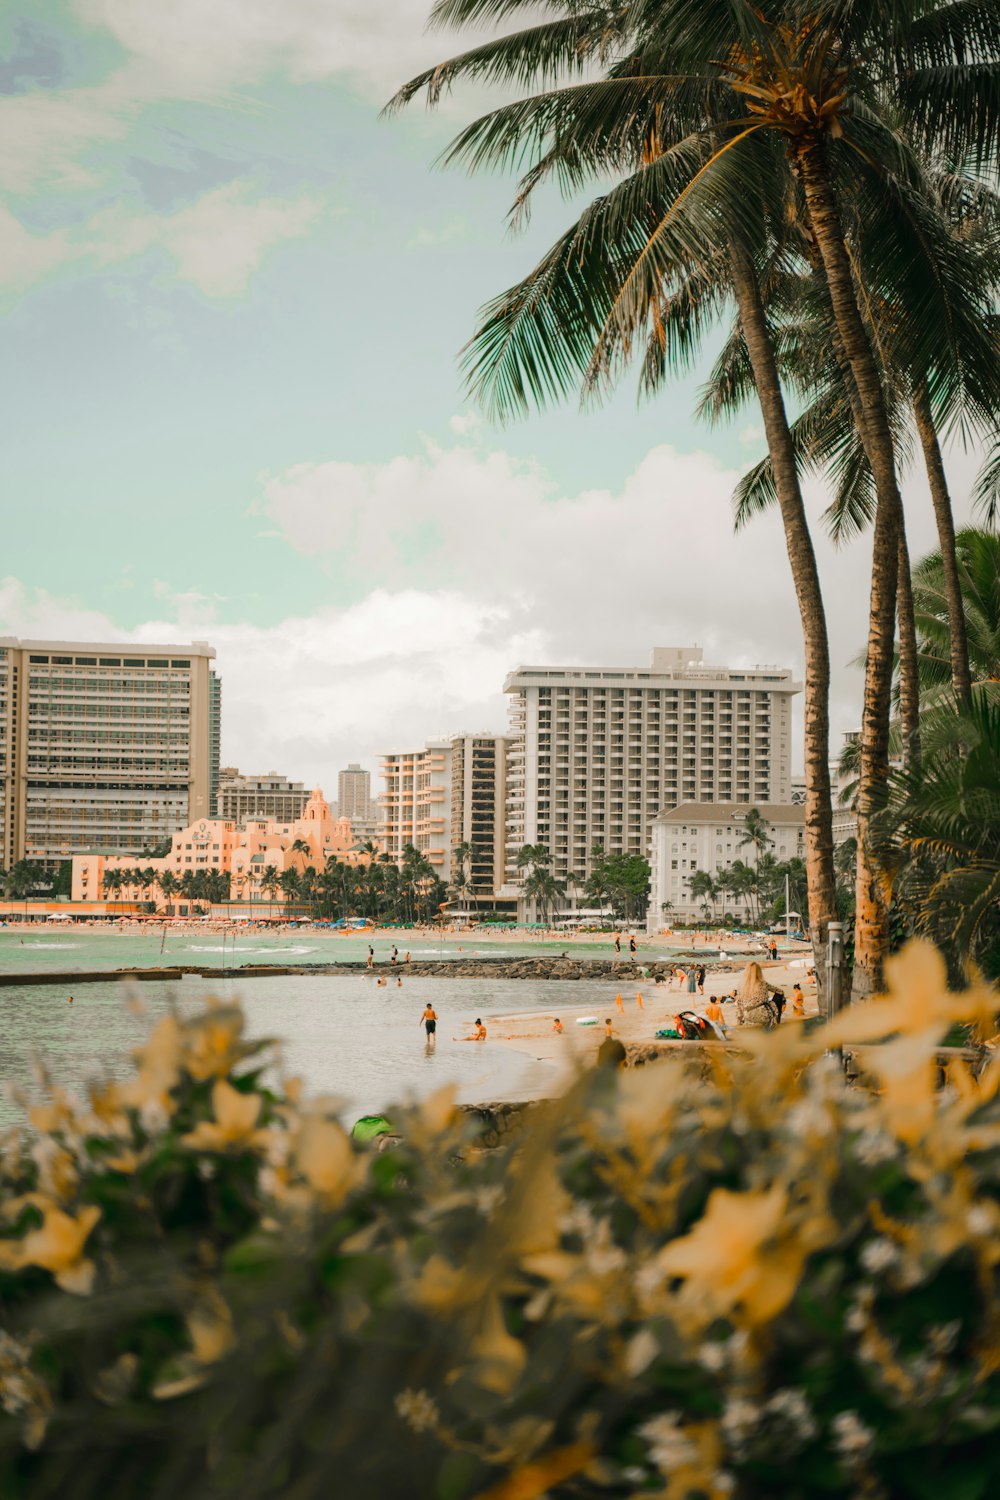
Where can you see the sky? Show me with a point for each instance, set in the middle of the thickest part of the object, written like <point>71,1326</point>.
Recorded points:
<point>232,300</point>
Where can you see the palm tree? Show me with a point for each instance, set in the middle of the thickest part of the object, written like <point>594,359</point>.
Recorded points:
<point>544,889</point>
<point>290,885</point>
<point>740,73</point>
<point>269,882</point>
<point>755,833</point>
<point>167,882</point>
<point>702,884</point>
<point>977,561</point>
<point>940,834</point>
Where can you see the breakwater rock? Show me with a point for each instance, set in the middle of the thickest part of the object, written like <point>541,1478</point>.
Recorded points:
<point>542,966</point>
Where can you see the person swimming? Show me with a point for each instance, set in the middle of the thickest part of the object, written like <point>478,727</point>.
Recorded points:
<point>381,980</point>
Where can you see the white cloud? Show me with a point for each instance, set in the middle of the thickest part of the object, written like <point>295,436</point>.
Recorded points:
<point>603,575</point>
<point>215,242</point>
<point>229,42</point>
<point>312,692</point>
<point>478,564</point>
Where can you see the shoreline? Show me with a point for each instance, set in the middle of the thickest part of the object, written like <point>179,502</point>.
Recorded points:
<point>654,973</point>
<point>530,1032</point>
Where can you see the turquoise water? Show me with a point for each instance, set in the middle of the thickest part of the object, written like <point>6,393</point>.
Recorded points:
<point>95,948</point>
<point>342,1034</point>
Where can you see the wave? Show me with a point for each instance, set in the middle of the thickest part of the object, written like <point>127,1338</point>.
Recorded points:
<point>50,945</point>
<point>241,950</point>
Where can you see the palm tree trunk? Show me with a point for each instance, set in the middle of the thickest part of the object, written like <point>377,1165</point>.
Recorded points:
<point>805,576</point>
<point>909,672</point>
<point>871,923</point>
<point>961,677</point>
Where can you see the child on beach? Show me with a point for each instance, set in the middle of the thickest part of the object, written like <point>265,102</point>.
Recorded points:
<point>713,1011</point>
<point>608,1028</point>
<point>558,1027</point>
<point>798,1001</point>
<point>479,1035</point>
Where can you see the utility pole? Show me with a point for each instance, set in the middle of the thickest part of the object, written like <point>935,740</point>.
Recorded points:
<point>834,968</point>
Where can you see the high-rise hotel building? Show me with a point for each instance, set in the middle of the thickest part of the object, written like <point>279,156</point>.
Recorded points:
<point>598,752</point>
<point>104,746</point>
<point>416,804</point>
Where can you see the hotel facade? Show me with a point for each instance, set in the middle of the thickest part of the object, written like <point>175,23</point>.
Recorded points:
<point>244,853</point>
<point>598,753</point>
<point>104,745</point>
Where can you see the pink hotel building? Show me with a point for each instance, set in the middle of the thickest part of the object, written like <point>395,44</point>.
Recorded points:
<point>243,853</point>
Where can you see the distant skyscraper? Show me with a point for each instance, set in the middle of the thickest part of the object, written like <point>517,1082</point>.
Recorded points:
<point>354,793</point>
<point>103,745</point>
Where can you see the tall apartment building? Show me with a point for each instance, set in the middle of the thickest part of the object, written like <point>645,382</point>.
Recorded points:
<point>267,796</point>
<point>599,752</point>
<point>214,741</point>
<point>478,809</point>
<point>354,802</point>
<point>416,804</point>
<point>103,745</point>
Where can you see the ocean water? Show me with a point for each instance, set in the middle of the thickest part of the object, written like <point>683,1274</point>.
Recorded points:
<point>343,1035</point>
<point>101,948</point>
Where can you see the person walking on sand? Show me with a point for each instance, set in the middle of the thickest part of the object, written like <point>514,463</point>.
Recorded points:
<point>631,945</point>
<point>700,977</point>
<point>618,945</point>
<point>429,1021</point>
<point>692,980</point>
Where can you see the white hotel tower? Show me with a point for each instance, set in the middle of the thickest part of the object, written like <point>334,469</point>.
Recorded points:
<point>597,752</point>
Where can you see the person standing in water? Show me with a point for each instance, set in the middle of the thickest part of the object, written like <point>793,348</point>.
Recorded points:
<point>430,1023</point>
<point>371,956</point>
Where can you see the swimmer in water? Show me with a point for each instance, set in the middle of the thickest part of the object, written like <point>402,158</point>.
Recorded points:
<point>381,981</point>
<point>70,1000</point>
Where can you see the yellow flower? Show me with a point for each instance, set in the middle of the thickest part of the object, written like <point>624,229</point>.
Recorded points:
<point>212,1042</point>
<point>326,1159</point>
<point>57,1174</point>
<point>734,1260</point>
<point>159,1071</point>
<point>234,1126</point>
<point>57,1247</point>
<point>210,1329</point>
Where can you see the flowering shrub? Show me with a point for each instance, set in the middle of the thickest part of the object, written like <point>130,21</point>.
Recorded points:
<point>761,1283</point>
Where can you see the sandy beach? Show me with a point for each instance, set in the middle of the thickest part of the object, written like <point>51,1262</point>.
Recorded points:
<point>560,1056</point>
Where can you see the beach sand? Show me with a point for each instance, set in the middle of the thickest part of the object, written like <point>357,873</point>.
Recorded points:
<point>563,1055</point>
